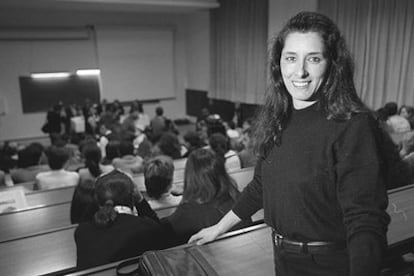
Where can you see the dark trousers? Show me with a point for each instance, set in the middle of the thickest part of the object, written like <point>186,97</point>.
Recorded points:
<point>288,263</point>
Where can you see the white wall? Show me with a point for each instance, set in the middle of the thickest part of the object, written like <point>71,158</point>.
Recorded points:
<point>198,51</point>
<point>190,49</point>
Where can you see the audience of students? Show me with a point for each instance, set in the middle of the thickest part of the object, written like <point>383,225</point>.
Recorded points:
<point>123,227</point>
<point>115,222</point>
<point>209,193</point>
<point>158,173</point>
<point>57,177</point>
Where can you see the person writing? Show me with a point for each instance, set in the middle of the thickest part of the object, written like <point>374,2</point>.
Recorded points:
<point>319,176</point>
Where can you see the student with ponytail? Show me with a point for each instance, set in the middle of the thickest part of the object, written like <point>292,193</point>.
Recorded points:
<point>124,225</point>
<point>83,205</point>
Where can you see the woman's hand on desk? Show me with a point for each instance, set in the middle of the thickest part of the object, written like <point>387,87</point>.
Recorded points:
<point>205,235</point>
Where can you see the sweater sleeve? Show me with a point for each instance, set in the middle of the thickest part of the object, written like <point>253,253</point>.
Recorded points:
<point>251,199</point>
<point>144,209</point>
<point>362,194</point>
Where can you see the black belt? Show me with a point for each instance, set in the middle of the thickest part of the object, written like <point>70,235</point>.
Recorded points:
<point>306,247</point>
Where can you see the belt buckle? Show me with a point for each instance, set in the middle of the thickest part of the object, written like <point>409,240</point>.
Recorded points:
<point>278,240</point>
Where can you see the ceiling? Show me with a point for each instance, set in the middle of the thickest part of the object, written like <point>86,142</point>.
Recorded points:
<point>150,6</point>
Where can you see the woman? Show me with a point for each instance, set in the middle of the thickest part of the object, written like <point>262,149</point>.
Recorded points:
<point>319,178</point>
<point>158,174</point>
<point>58,176</point>
<point>209,193</point>
<point>408,113</point>
<point>28,164</point>
<point>123,227</point>
<point>84,205</point>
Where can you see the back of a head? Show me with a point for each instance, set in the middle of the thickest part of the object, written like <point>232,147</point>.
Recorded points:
<point>206,178</point>
<point>92,154</point>
<point>30,155</point>
<point>57,157</point>
<point>159,111</point>
<point>219,143</point>
<point>112,189</point>
<point>170,145</point>
<point>126,148</point>
<point>215,125</point>
<point>158,173</point>
<point>391,108</point>
<point>112,149</point>
<point>194,139</point>
<point>140,108</point>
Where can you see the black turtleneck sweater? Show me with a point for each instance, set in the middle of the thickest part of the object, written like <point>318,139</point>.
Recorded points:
<point>324,183</point>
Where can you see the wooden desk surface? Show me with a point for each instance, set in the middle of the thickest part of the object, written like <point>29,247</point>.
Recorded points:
<point>52,196</point>
<point>32,221</point>
<point>401,210</point>
<point>39,254</point>
<point>249,253</point>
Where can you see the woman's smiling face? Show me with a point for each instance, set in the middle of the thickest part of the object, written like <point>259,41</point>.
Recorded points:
<point>303,66</point>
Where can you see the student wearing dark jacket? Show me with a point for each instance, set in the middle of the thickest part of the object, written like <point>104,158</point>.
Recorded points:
<point>209,193</point>
<point>123,227</point>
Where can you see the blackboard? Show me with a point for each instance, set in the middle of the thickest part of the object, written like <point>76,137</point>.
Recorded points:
<point>38,95</point>
<point>195,101</point>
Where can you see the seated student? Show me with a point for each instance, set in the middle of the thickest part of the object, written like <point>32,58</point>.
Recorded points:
<point>92,159</point>
<point>28,164</point>
<point>246,155</point>
<point>169,145</point>
<point>141,143</point>
<point>105,136</point>
<point>58,176</point>
<point>209,193</point>
<point>395,123</point>
<point>123,227</point>
<point>220,144</point>
<point>157,124</point>
<point>111,152</point>
<point>128,162</point>
<point>408,113</point>
<point>158,173</point>
<point>192,141</point>
<point>83,205</point>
